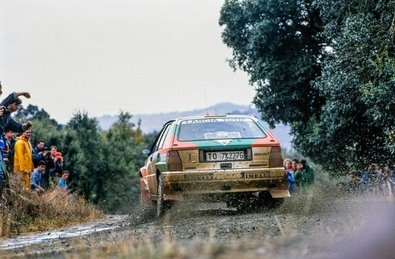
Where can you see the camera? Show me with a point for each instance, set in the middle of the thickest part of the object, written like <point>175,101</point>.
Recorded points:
<point>5,109</point>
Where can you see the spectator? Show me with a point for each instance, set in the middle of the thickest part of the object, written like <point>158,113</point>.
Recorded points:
<point>290,175</point>
<point>8,151</point>
<point>58,169</point>
<point>304,175</point>
<point>36,178</point>
<point>23,160</point>
<point>3,172</point>
<point>11,104</point>
<point>294,163</point>
<point>63,182</point>
<point>54,161</point>
<point>39,152</point>
<point>7,106</point>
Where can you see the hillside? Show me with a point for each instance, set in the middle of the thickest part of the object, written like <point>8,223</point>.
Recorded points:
<point>154,122</point>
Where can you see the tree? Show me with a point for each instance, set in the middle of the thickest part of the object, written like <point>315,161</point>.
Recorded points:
<point>122,154</point>
<point>326,68</point>
<point>33,112</point>
<point>84,156</point>
<point>278,44</point>
<point>44,128</point>
<point>358,82</point>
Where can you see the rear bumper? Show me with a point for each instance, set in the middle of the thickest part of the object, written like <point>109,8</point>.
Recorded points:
<point>179,184</point>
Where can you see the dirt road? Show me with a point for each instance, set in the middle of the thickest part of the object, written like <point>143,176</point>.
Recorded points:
<point>309,226</point>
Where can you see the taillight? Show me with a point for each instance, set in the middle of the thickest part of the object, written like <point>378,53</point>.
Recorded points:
<point>173,161</point>
<point>275,159</point>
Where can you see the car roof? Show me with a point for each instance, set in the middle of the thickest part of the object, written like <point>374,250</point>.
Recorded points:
<point>199,117</point>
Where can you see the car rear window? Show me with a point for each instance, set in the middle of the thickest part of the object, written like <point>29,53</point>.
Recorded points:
<point>219,128</point>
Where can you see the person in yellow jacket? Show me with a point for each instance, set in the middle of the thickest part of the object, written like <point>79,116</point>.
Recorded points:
<point>23,158</point>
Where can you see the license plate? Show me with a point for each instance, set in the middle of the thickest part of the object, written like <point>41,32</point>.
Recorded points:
<point>224,156</point>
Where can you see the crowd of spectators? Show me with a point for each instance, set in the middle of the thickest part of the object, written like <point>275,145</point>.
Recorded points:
<point>38,168</point>
<point>375,179</point>
<point>299,174</point>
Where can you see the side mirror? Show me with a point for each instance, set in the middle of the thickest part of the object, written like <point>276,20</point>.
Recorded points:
<point>146,151</point>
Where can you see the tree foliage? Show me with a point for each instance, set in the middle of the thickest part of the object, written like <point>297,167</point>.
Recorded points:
<point>88,160</point>
<point>358,81</point>
<point>33,112</point>
<point>104,165</point>
<point>278,44</point>
<point>122,149</point>
<point>45,128</point>
<point>326,68</point>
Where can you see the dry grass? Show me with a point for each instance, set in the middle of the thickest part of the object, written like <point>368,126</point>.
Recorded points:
<point>27,211</point>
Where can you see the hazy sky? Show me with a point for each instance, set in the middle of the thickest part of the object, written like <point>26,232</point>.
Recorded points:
<point>104,56</point>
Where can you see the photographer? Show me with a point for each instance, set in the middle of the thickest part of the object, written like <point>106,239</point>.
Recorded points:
<point>9,105</point>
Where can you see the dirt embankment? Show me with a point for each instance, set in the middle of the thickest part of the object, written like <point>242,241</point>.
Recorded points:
<point>315,225</point>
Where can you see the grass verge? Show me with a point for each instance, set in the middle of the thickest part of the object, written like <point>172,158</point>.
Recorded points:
<point>23,211</point>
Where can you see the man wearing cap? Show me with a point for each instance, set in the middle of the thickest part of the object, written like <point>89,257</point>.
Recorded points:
<point>58,160</point>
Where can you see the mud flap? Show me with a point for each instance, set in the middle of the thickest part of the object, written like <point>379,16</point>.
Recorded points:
<point>276,194</point>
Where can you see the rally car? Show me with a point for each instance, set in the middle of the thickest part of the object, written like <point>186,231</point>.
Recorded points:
<point>232,158</point>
